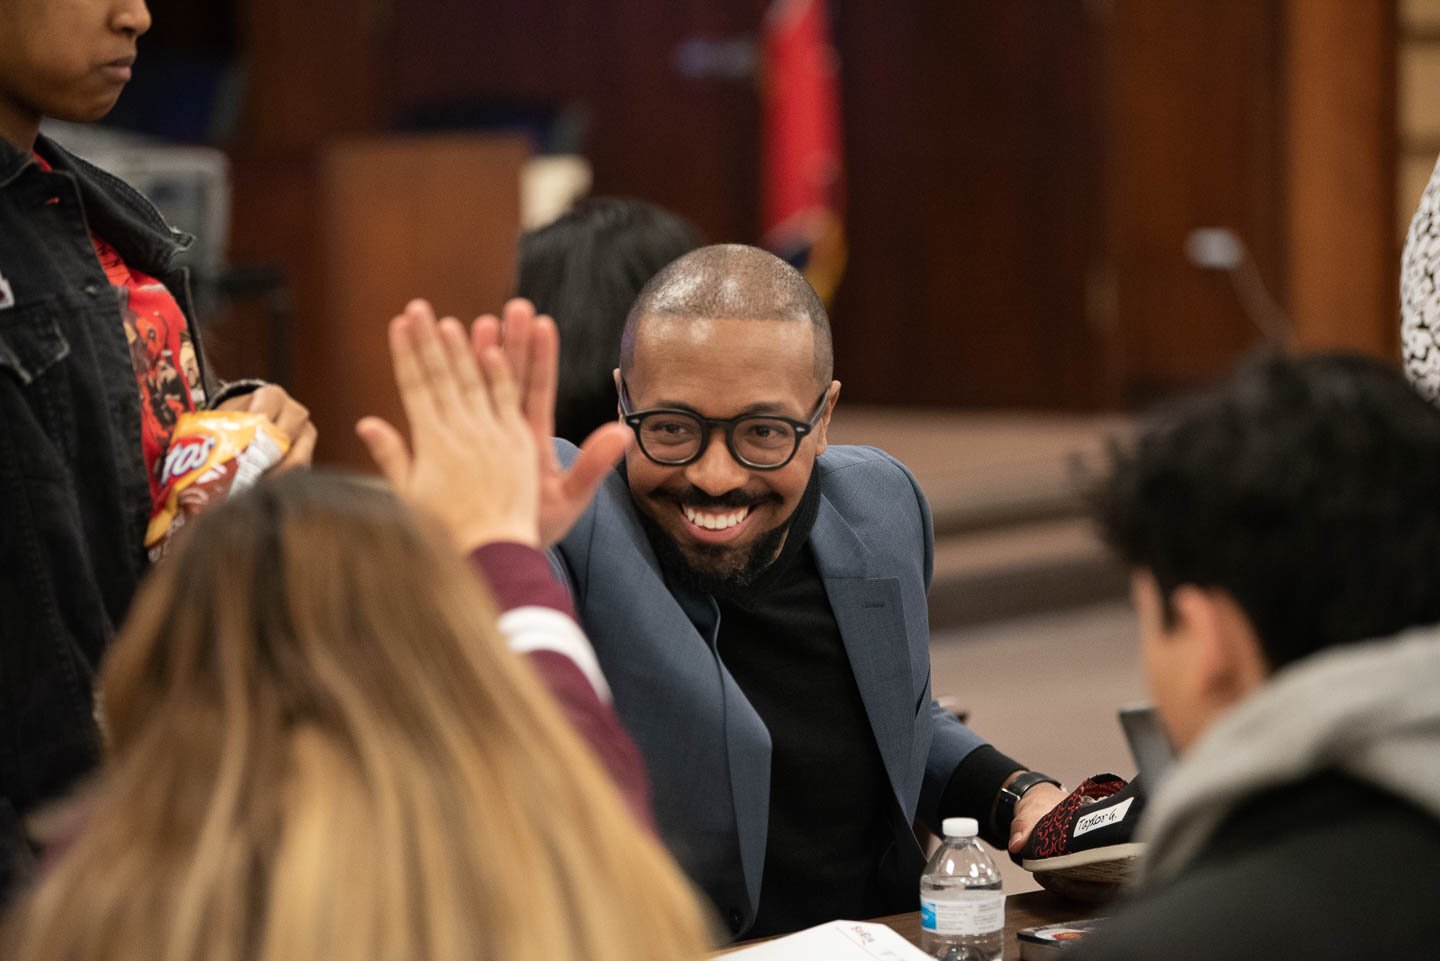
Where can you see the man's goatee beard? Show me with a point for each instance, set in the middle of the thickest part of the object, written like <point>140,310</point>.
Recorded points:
<point>680,572</point>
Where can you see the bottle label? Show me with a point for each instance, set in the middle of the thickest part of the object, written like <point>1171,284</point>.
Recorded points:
<point>978,913</point>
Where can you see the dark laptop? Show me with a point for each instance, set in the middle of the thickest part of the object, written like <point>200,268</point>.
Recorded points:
<point>1149,744</point>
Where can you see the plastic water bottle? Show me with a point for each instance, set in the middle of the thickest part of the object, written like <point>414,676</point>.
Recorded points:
<point>962,911</point>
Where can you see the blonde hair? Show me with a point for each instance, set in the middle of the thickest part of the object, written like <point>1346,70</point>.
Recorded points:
<point>321,749</point>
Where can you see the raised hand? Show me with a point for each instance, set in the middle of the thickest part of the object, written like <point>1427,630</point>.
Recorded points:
<point>532,346</point>
<point>471,459</point>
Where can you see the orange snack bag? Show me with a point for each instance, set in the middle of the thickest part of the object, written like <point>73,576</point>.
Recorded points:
<point>212,455</point>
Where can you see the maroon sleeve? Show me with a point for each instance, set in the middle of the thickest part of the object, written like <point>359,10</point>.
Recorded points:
<point>596,723</point>
<point>519,577</point>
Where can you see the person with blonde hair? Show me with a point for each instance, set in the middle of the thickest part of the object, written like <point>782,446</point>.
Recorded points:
<point>320,746</point>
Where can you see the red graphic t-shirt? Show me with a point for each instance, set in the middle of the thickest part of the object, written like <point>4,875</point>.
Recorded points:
<point>162,353</point>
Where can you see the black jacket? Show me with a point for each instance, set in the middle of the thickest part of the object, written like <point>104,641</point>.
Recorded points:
<point>1329,869</point>
<point>74,498</point>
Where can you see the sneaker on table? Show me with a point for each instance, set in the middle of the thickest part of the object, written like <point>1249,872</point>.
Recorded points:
<point>1089,836</point>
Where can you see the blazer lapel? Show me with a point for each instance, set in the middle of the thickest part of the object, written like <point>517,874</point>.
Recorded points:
<point>872,625</point>
<point>748,747</point>
<point>747,741</point>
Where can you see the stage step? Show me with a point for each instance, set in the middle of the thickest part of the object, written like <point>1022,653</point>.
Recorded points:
<point>1020,570</point>
<point>1012,534</point>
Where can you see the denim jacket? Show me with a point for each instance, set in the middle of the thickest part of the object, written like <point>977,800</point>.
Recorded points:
<point>74,498</point>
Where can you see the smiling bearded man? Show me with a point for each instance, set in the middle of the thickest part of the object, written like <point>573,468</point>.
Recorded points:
<point>757,601</point>
<point>756,348</point>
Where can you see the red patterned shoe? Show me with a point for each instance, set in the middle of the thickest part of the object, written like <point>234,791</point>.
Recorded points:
<point>1089,835</point>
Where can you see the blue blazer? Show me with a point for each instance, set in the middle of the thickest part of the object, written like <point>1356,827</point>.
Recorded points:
<point>707,751</point>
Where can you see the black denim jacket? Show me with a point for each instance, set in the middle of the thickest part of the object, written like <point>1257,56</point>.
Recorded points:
<point>74,498</point>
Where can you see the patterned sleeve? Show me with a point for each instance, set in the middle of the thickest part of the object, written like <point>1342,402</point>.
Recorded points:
<point>1419,298</point>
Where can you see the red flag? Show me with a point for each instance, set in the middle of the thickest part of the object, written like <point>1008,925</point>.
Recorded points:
<point>803,165</point>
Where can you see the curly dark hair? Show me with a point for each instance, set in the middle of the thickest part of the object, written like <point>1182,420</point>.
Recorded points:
<point>1308,489</point>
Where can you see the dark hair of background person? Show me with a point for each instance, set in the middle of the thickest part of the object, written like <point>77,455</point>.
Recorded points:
<point>1307,489</point>
<point>584,270</point>
<point>320,747</point>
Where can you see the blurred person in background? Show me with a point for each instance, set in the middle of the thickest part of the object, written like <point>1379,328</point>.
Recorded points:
<point>1284,535</point>
<point>99,355</point>
<point>1420,293</point>
<point>584,270</point>
<point>320,746</point>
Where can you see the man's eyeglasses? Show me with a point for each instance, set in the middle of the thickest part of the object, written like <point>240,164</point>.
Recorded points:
<point>675,437</point>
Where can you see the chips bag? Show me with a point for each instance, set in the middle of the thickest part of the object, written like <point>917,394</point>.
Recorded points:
<point>212,455</point>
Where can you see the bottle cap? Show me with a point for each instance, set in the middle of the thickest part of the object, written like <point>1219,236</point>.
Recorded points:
<point>960,827</point>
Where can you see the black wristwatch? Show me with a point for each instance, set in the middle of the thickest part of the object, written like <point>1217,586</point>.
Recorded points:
<point>1010,796</point>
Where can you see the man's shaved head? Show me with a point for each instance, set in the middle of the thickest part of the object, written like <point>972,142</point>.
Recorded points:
<point>731,282</point>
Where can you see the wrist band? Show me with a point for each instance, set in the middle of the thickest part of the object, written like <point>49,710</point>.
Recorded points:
<point>1010,796</point>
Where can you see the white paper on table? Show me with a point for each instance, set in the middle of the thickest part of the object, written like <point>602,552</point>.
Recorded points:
<point>836,941</point>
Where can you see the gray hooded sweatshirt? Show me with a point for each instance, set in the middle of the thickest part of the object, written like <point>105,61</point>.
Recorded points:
<point>1369,710</point>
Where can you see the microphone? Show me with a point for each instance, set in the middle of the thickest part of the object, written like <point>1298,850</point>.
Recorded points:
<point>1219,248</point>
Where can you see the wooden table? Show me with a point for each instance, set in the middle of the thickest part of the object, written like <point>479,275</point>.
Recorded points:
<point>1021,911</point>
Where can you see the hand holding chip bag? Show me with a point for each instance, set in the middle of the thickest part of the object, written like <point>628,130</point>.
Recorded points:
<point>212,455</point>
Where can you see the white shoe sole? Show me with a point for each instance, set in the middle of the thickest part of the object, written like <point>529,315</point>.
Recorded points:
<point>1108,865</point>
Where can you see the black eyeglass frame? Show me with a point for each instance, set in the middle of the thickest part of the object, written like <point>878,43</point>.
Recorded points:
<point>709,425</point>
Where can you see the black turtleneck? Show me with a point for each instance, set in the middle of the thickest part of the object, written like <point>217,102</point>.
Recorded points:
<point>828,788</point>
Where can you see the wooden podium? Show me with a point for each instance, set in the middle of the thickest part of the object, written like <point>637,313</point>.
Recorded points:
<point>434,217</point>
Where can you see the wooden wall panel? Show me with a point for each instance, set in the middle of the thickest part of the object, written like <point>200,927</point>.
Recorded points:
<point>970,145</point>
<point>688,143</point>
<point>314,69</point>
<point>1340,168</point>
<point>973,163</point>
<point>1021,176</point>
<point>1194,141</point>
<point>400,218</point>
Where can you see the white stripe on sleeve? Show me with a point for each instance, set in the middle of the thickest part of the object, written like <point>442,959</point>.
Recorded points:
<point>529,629</point>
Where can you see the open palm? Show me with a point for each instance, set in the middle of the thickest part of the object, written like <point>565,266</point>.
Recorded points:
<point>532,345</point>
